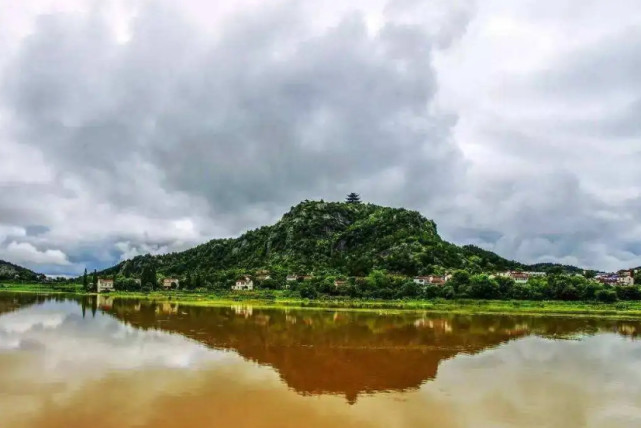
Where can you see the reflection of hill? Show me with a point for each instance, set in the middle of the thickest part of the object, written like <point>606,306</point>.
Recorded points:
<point>347,353</point>
<point>10,302</point>
<point>317,352</point>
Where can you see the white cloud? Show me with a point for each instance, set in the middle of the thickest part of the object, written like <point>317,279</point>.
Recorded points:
<point>25,253</point>
<point>535,86</point>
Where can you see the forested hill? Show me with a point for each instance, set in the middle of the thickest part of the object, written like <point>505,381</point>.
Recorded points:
<point>9,271</point>
<point>342,238</point>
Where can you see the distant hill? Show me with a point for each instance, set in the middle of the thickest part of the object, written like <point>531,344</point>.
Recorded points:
<point>345,238</point>
<point>551,267</point>
<point>9,271</point>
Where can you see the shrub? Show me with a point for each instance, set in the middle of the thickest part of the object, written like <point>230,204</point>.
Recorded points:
<point>432,291</point>
<point>447,292</point>
<point>410,289</point>
<point>482,287</point>
<point>307,291</point>
<point>606,296</point>
<point>629,292</point>
<point>522,292</point>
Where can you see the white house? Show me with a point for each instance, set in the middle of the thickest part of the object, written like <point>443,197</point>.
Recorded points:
<point>244,283</point>
<point>431,279</point>
<point>520,277</point>
<point>625,278</point>
<point>262,275</point>
<point>291,278</point>
<point>536,273</point>
<point>105,284</point>
<point>170,282</point>
<point>421,280</point>
<point>517,276</point>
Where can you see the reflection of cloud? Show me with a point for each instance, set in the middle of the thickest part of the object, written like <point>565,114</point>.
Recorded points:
<point>531,382</point>
<point>69,344</point>
<point>99,372</point>
<point>592,382</point>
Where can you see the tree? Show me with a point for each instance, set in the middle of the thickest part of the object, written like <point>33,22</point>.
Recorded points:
<point>606,296</point>
<point>148,277</point>
<point>187,282</point>
<point>629,292</point>
<point>409,289</point>
<point>85,281</point>
<point>308,291</point>
<point>197,282</point>
<point>460,281</point>
<point>270,284</point>
<point>94,281</point>
<point>353,198</point>
<point>483,287</point>
<point>506,285</point>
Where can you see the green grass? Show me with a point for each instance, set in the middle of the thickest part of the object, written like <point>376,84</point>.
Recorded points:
<point>264,298</point>
<point>41,287</point>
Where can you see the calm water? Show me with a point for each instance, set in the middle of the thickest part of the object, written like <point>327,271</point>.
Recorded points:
<point>120,363</point>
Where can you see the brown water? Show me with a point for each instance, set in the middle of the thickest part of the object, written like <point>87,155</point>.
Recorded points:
<point>121,363</point>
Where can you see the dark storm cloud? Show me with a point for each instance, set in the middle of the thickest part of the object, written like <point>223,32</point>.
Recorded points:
<point>268,112</point>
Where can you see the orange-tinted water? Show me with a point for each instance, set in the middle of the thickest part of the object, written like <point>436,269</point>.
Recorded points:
<point>119,363</point>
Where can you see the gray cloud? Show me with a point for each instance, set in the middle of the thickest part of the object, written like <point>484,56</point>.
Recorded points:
<point>189,128</point>
<point>233,129</point>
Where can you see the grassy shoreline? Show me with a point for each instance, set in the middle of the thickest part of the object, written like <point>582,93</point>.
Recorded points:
<point>279,299</point>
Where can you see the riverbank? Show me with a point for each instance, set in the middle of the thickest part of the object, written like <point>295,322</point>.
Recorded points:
<point>284,299</point>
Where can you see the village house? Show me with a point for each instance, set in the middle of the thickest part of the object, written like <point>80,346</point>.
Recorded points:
<point>340,283</point>
<point>170,282</point>
<point>519,277</point>
<point>290,278</point>
<point>437,280</point>
<point>105,284</point>
<point>422,280</point>
<point>535,273</point>
<point>431,279</point>
<point>608,279</point>
<point>244,283</point>
<point>262,275</point>
<point>625,280</point>
<point>625,277</point>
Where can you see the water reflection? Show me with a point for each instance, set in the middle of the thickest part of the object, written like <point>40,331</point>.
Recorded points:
<point>157,363</point>
<point>348,353</point>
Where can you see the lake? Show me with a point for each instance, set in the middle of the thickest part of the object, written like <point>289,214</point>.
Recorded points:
<point>108,362</point>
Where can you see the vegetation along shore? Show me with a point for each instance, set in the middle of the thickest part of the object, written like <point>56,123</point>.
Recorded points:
<point>286,299</point>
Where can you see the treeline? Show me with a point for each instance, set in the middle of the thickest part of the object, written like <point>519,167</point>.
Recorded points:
<point>462,285</point>
<point>380,284</point>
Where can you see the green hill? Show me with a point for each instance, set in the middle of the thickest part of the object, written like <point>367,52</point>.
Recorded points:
<point>11,272</point>
<point>341,238</point>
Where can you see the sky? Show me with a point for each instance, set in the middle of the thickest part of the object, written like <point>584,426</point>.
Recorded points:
<point>147,126</point>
